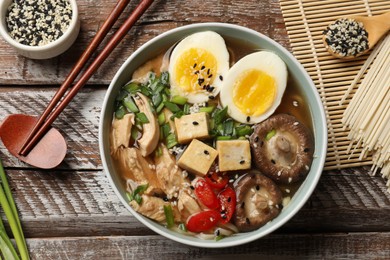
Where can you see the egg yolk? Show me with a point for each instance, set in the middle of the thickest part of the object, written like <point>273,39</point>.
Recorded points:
<point>195,69</point>
<point>254,92</point>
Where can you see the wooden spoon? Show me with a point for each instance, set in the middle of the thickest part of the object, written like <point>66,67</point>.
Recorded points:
<point>376,26</point>
<point>49,151</point>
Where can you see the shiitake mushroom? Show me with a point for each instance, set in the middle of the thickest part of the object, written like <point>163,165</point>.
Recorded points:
<point>259,200</point>
<point>282,148</point>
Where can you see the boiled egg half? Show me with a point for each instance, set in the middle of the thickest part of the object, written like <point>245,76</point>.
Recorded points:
<point>198,65</point>
<point>254,87</point>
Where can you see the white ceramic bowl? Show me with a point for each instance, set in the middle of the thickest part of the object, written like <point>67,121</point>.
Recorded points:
<point>49,50</point>
<point>296,72</point>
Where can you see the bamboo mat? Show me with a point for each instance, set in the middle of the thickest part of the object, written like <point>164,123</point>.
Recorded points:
<point>305,20</point>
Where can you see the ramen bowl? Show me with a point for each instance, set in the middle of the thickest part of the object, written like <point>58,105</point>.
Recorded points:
<point>296,74</point>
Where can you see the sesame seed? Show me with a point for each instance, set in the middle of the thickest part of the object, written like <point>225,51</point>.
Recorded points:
<point>203,67</point>
<point>242,161</point>
<point>194,65</point>
<point>248,118</point>
<point>38,22</point>
<point>211,97</point>
<point>220,77</point>
<point>206,152</point>
<point>296,123</point>
<point>195,123</point>
<point>295,103</point>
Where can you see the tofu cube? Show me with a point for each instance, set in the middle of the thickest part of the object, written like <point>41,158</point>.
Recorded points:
<point>197,158</point>
<point>193,126</point>
<point>234,155</point>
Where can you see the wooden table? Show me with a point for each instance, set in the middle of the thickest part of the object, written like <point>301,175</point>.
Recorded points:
<point>71,212</point>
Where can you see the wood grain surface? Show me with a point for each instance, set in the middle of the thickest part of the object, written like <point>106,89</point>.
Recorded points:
<point>71,212</point>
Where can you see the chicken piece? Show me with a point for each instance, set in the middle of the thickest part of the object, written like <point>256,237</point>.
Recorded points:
<point>132,165</point>
<point>169,175</point>
<point>187,204</point>
<point>153,208</point>
<point>121,131</point>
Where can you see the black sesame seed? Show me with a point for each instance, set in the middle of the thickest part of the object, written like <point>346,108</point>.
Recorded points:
<point>165,199</point>
<point>200,81</point>
<point>195,123</point>
<point>203,67</point>
<point>242,205</point>
<point>192,187</point>
<point>211,97</point>
<point>256,139</point>
<point>229,199</point>
<point>206,152</point>
<point>195,65</point>
<point>218,232</point>
<point>257,187</point>
<point>248,118</point>
<point>248,221</point>
<point>273,161</point>
<point>242,161</point>
<point>306,150</point>
<point>210,75</point>
<point>261,144</point>
<point>220,77</point>
<point>208,71</point>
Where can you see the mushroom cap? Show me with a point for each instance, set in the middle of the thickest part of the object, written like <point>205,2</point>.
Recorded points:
<point>259,200</point>
<point>282,148</point>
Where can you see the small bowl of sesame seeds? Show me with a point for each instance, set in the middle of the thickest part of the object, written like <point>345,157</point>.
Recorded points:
<point>39,29</point>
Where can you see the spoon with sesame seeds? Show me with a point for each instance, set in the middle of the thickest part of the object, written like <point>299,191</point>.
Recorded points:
<point>353,36</point>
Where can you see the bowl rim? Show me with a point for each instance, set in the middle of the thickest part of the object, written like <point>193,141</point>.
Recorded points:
<point>58,42</point>
<point>320,151</point>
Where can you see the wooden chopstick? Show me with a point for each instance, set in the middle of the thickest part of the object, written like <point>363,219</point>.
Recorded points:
<point>52,112</point>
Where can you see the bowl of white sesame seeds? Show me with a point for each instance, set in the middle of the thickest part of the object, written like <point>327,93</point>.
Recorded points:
<point>39,29</point>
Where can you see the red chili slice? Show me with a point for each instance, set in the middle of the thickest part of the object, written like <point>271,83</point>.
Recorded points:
<point>227,199</point>
<point>217,181</point>
<point>206,195</point>
<point>203,221</point>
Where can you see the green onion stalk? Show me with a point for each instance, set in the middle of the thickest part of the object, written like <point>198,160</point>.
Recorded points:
<point>8,204</point>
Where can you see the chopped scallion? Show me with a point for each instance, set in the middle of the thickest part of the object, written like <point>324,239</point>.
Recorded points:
<point>142,117</point>
<point>129,103</point>
<point>169,216</point>
<point>179,100</point>
<point>220,115</point>
<point>270,134</point>
<point>225,137</point>
<point>161,118</point>
<point>171,140</point>
<point>131,87</point>
<point>208,109</point>
<point>172,106</point>
<point>120,112</point>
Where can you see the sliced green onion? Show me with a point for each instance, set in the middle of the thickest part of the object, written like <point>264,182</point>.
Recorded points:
<point>171,140</point>
<point>172,106</point>
<point>244,130</point>
<point>183,227</point>
<point>138,198</point>
<point>228,127</point>
<point>142,117</point>
<point>186,109</point>
<point>141,189</point>
<point>134,133</point>
<point>131,87</point>
<point>179,100</point>
<point>224,137</point>
<point>169,216</point>
<point>270,134</point>
<point>160,87</point>
<point>165,130</point>
<point>145,91</point>
<point>220,115</point>
<point>208,109</point>
<point>161,118</point>
<point>120,112</point>
<point>156,99</point>
<point>129,103</point>
<point>160,107</point>
<point>129,196</point>
<point>164,78</point>
<point>219,237</point>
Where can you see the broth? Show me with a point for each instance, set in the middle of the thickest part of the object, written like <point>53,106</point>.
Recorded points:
<point>292,102</point>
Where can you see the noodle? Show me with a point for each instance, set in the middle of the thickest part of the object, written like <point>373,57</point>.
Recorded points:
<point>368,113</point>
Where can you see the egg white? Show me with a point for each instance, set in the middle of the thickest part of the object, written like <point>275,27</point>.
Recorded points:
<point>214,44</point>
<point>266,62</point>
